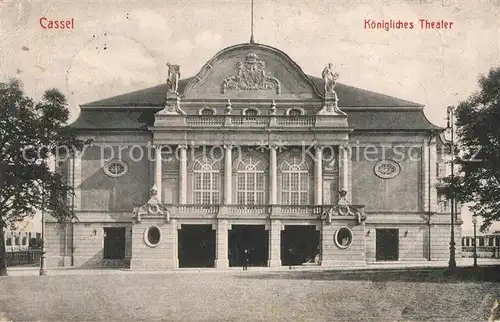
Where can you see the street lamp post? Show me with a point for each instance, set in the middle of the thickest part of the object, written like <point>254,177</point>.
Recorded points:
<point>43,266</point>
<point>474,221</point>
<point>452,262</point>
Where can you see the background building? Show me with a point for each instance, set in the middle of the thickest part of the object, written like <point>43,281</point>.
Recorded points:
<point>26,233</point>
<point>253,154</point>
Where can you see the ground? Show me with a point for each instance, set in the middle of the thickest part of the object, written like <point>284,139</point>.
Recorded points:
<point>412,294</point>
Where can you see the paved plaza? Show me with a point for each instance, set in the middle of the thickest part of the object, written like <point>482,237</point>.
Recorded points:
<point>193,295</point>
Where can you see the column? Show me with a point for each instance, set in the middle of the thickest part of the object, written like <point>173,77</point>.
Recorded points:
<point>228,174</point>
<point>175,241</point>
<point>344,171</point>
<point>274,243</point>
<point>183,175</point>
<point>273,184</point>
<point>433,174</point>
<point>425,176</point>
<point>318,176</point>
<point>77,180</point>
<point>158,172</point>
<point>221,250</point>
<point>71,202</point>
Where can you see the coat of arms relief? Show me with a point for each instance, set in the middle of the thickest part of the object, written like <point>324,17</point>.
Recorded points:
<point>251,75</point>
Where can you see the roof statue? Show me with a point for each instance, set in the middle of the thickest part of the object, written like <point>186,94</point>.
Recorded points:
<point>330,78</point>
<point>174,74</point>
<point>331,99</point>
<point>172,101</point>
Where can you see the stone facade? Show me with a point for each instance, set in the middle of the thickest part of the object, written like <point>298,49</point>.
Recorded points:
<point>253,154</point>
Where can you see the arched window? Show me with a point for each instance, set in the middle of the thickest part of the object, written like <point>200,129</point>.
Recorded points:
<point>206,185</point>
<point>251,181</point>
<point>294,181</point>
<point>295,111</point>
<point>251,114</point>
<point>206,111</point>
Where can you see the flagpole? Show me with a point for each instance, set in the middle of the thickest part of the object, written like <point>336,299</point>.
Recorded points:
<point>251,26</point>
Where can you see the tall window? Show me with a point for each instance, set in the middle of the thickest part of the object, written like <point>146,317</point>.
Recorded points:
<point>294,181</point>
<point>251,179</point>
<point>206,175</point>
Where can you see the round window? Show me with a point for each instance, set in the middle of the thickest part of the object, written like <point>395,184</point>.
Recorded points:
<point>343,237</point>
<point>387,169</point>
<point>152,236</point>
<point>116,168</point>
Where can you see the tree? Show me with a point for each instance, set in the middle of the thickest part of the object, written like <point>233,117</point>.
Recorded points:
<point>31,134</point>
<point>478,151</point>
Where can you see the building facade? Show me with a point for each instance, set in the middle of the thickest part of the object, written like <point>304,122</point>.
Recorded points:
<point>252,159</point>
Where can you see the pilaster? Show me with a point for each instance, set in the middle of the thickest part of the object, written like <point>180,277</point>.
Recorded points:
<point>318,176</point>
<point>275,229</point>
<point>77,180</point>
<point>183,175</point>
<point>425,176</point>
<point>221,255</point>
<point>273,184</point>
<point>158,172</point>
<point>433,174</point>
<point>228,174</point>
<point>345,171</point>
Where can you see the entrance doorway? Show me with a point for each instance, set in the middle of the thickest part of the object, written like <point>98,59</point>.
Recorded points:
<point>387,244</point>
<point>299,245</point>
<point>114,242</point>
<point>253,238</point>
<point>196,246</point>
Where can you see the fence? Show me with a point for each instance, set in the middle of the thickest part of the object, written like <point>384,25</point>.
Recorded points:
<point>482,251</point>
<point>25,257</point>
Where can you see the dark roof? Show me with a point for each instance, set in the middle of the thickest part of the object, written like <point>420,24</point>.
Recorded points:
<point>349,96</point>
<point>389,120</point>
<point>152,96</point>
<point>116,119</point>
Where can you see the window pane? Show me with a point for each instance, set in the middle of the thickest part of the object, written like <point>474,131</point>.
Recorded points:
<point>241,181</point>
<point>304,198</point>
<point>284,198</point>
<point>285,182</point>
<point>216,181</point>
<point>241,197</point>
<point>260,198</point>
<point>304,182</point>
<point>294,184</point>
<point>260,181</point>
<point>197,181</point>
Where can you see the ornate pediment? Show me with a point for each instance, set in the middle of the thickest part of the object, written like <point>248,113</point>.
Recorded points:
<point>344,209</point>
<point>251,75</point>
<point>152,208</point>
<point>251,71</point>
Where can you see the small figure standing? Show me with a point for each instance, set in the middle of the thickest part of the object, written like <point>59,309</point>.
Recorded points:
<point>174,75</point>
<point>246,259</point>
<point>330,78</point>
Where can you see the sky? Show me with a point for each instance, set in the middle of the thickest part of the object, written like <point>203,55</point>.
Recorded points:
<point>118,47</point>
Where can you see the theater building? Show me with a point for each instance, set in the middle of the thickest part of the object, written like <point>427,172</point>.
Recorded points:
<point>253,158</point>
